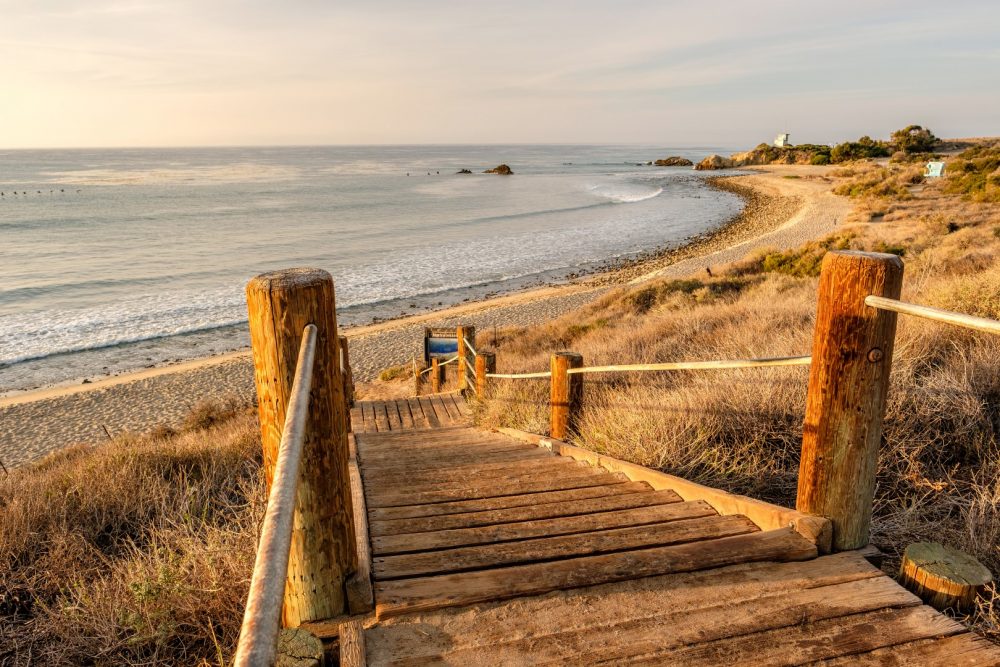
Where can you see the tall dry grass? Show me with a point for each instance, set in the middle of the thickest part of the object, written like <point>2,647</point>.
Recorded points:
<point>939,465</point>
<point>136,552</point>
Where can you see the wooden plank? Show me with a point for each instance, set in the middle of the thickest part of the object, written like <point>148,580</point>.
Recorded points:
<point>404,413</point>
<point>483,556</point>
<point>395,419</point>
<point>417,447</point>
<point>565,525</point>
<point>598,609</point>
<point>488,490</point>
<point>442,457</point>
<point>381,416</point>
<point>419,420</point>
<point>443,413</point>
<point>357,419</point>
<point>550,464</point>
<point>519,514</point>
<point>646,631</point>
<point>377,487</point>
<point>797,644</point>
<point>503,502</point>
<point>450,590</point>
<point>352,644</point>
<point>964,649</point>
<point>360,595</point>
<point>368,413</point>
<point>404,463</point>
<point>462,404</point>
<point>429,412</point>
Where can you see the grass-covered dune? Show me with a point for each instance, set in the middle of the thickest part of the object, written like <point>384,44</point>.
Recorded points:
<point>134,552</point>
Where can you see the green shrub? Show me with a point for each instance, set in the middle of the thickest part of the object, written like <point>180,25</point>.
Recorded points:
<point>395,372</point>
<point>914,139</point>
<point>820,159</point>
<point>975,173</point>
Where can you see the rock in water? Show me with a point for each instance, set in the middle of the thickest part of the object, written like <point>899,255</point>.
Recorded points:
<point>464,171</point>
<point>501,169</point>
<point>715,162</point>
<point>674,161</point>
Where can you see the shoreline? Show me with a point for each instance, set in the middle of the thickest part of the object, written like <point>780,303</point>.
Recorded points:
<point>39,421</point>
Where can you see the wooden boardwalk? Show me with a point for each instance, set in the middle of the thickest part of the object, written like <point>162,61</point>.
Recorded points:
<point>486,550</point>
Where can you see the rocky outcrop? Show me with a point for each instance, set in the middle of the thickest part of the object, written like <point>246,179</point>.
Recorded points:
<point>715,162</point>
<point>674,161</point>
<point>501,169</point>
<point>464,171</point>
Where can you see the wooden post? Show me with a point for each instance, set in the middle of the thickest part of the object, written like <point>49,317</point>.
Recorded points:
<point>565,394</point>
<point>943,577</point>
<point>345,365</point>
<point>848,381</point>
<point>463,332</point>
<point>486,362</point>
<point>323,555</point>
<point>435,375</point>
<point>416,378</point>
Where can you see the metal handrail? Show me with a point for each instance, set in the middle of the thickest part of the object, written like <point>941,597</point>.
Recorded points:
<point>936,314</point>
<point>261,620</point>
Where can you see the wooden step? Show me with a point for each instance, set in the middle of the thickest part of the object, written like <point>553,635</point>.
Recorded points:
<point>401,514</point>
<point>485,556</point>
<point>509,532</point>
<point>424,593</point>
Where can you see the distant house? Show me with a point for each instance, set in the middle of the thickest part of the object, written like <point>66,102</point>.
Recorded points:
<point>934,170</point>
<point>782,141</point>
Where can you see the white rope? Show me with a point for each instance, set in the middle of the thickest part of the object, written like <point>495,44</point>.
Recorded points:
<point>695,365</point>
<point>445,363</point>
<point>936,314</point>
<point>518,376</point>
<point>469,345</point>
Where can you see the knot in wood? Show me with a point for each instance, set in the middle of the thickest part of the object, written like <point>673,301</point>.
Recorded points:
<point>875,355</point>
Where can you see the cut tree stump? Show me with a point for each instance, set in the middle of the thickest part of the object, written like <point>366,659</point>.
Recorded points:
<point>941,576</point>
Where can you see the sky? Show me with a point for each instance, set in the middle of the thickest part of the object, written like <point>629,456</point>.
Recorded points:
<point>108,73</point>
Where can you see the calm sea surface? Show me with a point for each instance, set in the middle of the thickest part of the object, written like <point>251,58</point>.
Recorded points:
<point>112,260</point>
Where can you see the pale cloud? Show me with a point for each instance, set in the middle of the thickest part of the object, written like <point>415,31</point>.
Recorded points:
<point>227,72</point>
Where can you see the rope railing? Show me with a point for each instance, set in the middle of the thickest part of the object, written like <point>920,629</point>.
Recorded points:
<point>443,363</point>
<point>469,346</point>
<point>935,314</point>
<point>670,366</point>
<point>259,632</point>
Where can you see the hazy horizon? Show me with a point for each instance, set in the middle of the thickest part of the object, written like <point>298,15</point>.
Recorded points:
<point>134,73</point>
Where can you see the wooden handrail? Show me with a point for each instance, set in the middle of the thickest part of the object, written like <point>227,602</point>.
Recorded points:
<point>259,632</point>
<point>935,314</point>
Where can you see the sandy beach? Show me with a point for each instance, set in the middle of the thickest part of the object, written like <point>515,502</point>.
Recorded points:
<point>781,212</point>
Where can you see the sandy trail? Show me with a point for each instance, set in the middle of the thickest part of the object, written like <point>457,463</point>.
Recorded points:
<point>794,211</point>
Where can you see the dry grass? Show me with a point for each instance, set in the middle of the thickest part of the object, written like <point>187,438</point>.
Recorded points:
<point>135,552</point>
<point>939,468</point>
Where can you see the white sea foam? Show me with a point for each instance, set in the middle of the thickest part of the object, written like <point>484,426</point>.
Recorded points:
<point>626,193</point>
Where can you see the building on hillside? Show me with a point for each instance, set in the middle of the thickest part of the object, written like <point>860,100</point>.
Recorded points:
<point>934,170</point>
<point>782,141</point>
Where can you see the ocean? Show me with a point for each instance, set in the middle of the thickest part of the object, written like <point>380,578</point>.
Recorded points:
<point>114,260</point>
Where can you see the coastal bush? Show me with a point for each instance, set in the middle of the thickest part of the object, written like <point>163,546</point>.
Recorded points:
<point>137,551</point>
<point>975,173</point>
<point>820,159</point>
<point>862,149</point>
<point>880,182</point>
<point>396,372</point>
<point>914,139</point>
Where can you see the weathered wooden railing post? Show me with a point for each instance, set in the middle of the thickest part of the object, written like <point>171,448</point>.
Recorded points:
<point>435,375</point>
<point>463,333</point>
<point>323,555</point>
<point>565,393</point>
<point>486,362</point>
<point>848,381</point>
<point>348,374</point>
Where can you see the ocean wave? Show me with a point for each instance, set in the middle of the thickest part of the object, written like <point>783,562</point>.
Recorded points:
<point>626,193</point>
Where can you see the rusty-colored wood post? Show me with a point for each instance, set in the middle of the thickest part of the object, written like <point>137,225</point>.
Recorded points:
<point>465,367</point>
<point>417,377</point>
<point>348,374</point>
<point>486,362</point>
<point>848,381</point>
<point>565,394</point>
<point>435,375</point>
<point>323,555</point>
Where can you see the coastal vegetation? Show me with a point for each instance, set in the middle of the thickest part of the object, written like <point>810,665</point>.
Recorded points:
<point>134,552</point>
